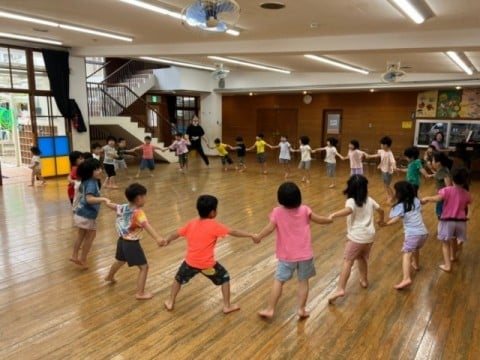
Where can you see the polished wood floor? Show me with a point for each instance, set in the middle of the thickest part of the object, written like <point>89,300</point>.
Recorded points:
<point>49,309</point>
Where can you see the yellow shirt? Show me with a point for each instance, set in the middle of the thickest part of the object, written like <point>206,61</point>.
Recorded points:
<point>222,149</point>
<point>260,144</point>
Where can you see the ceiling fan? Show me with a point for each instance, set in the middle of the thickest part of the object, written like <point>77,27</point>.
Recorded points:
<point>212,15</point>
<point>394,73</point>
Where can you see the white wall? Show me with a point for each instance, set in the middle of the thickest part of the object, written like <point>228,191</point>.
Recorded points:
<point>78,91</point>
<point>211,118</point>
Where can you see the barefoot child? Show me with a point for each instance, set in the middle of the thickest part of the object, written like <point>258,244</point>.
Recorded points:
<point>241,152</point>
<point>284,156</point>
<point>76,158</point>
<point>359,210</point>
<point>355,155</point>
<point>180,145</point>
<point>408,209</point>
<point>441,164</point>
<point>36,166</point>
<point>130,222</point>
<point>387,164</point>
<point>120,162</point>
<point>414,168</point>
<point>109,156</point>
<point>147,156</point>
<point>294,250</point>
<point>452,227</point>
<point>306,157</point>
<point>202,235</point>
<point>86,213</point>
<point>223,152</point>
<point>330,158</point>
<point>261,155</point>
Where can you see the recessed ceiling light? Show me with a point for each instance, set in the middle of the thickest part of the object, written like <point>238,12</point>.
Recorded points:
<point>250,94</point>
<point>458,87</point>
<point>372,90</point>
<point>272,5</point>
<point>336,63</point>
<point>249,64</point>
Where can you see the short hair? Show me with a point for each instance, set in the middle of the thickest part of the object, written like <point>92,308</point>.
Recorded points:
<point>87,155</point>
<point>357,189</point>
<point>134,190</point>
<point>460,177</point>
<point>111,137</point>
<point>386,140</point>
<point>121,139</point>
<point>333,141</point>
<point>304,140</point>
<point>206,204</point>
<point>412,152</point>
<point>179,134</point>
<point>147,138</point>
<point>239,138</point>
<point>96,146</point>
<point>289,195</point>
<point>260,135</point>
<point>74,156</point>
<point>85,169</point>
<point>35,150</point>
<point>217,141</point>
<point>355,144</point>
<point>442,159</point>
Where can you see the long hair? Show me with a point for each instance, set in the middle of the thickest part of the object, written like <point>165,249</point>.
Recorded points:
<point>405,194</point>
<point>357,189</point>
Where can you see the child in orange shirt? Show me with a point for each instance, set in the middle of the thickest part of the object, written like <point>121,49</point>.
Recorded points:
<point>202,235</point>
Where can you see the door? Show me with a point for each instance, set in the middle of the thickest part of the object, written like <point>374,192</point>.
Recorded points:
<point>274,123</point>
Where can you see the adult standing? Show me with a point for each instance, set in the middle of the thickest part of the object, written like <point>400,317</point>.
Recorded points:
<point>196,133</point>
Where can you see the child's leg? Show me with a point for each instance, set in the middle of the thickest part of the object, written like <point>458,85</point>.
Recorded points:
<point>273,300</point>
<point>416,260</point>
<point>39,176</point>
<point>113,270</point>
<point>33,177</point>
<point>141,281</point>
<point>363,271</point>
<point>447,265</point>
<point>87,244</point>
<point>76,246</point>
<point>453,250</point>
<point>342,283</point>
<point>406,263</point>
<point>303,289</point>
<point>227,306</point>
<point>307,175</point>
<point>170,302</point>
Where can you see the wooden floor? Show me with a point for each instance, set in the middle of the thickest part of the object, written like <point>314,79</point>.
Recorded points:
<point>49,309</point>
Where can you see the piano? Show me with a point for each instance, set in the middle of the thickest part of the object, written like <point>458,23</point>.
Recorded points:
<point>468,152</point>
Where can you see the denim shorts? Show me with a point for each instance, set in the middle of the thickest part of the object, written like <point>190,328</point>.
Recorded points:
<point>147,163</point>
<point>387,178</point>
<point>305,165</point>
<point>331,169</point>
<point>285,269</point>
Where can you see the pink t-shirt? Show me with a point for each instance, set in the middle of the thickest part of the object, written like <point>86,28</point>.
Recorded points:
<point>387,161</point>
<point>147,151</point>
<point>356,157</point>
<point>455,202</point>
<point>294,241</point>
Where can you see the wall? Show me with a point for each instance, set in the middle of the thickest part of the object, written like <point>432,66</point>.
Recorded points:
<point>78,91</point>
<point>385,111</point>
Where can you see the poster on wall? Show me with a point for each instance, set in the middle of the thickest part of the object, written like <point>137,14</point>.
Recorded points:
<point>448,106</point>
<point>470,106</point>
<point>427,104</point>
<point>333,123</point>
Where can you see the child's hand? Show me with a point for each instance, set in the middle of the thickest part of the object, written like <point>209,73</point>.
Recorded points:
<point>330,217</point>
<point>256,239</point>
<point>423,201</point>
<point>381,223</point>
<point>161,241</point>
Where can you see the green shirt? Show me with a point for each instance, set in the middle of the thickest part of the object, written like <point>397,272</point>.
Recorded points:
<point>440,176</point>
<point>413,172</point>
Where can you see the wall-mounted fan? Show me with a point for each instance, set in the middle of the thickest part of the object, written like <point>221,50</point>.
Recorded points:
<point>220,74</point>
<point>394,73</point>
<point>212,15</point>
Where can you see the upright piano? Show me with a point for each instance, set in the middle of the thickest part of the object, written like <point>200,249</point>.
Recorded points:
<point>467,151</point>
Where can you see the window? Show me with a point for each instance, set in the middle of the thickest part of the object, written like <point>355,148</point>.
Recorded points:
<point>186,108</point>
<point>41,77</point>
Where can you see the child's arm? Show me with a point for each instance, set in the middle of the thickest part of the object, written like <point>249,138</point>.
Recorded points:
<point>448,181</point>
<point>250,148</point>
<point>424,172</point>
<point>320,219</point>
<point>373,156</point>
<point>340,213</point>
<point>268,145</point>
<point>318,149</point>
<point>151,231</point>
<point>133,149</point>
<point>267,230</point>
<point>111,205</point>
<point>92,199</point>
<point>381,214</point>
<point>434,198</point>
<point>392,221</point>
<point>157,147</point>
<point>173,236</point>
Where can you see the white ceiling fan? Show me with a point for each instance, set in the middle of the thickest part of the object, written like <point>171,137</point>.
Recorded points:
<point>212,15</point>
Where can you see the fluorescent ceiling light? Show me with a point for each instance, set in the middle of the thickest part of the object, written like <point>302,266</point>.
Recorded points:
<point>178,63</point>
<point>460,63</point>
<point>19,17</point>
<point>336,63</point>
<point>417,10</point>
<point>29,38</point>
<point>249,64</point>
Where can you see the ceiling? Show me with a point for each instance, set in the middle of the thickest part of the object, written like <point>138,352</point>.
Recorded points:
<point>366,33</point>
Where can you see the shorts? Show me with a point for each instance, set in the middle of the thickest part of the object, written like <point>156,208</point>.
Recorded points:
<point>183,159</point>
<point>331,167</point>
<point>413,242</point>
<point>147,163</point>
<point>131,252</point>
<point>120,164</point>
<point>305,165</point>
<point>218,274</point>
<point>356,251</point>
<point>226,159</point>
<point>284,161</point>
<point>109,169</point>
<point>285,269</point>
<point>261,158</point>
<point>387,178</point>
<point>84,223</point>
<point>450,229</point>
<point>356,171</point>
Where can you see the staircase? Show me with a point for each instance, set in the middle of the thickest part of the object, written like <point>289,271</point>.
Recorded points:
<point>112,96</point>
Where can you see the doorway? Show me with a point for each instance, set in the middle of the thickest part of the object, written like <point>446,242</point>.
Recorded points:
<point>274,123</point>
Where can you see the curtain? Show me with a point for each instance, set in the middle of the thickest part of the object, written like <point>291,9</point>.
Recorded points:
<point>171,107</point>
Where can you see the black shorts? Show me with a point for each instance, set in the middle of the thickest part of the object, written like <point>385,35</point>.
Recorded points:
<point>109,169</point>
<point>218,274</point>
<point>226,159</point>
<point>130,251</point>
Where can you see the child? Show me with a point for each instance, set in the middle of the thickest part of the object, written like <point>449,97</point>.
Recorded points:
<point>87,210</point>
<point>241,152</point>
<point>130,222</point>
<point>409,209</point>
<point>452,227</point>
<point>294,250</point>
<point>428,158</point>
<point>180,145</point>
<point>109,156</point>
<point>330,160</point>
<point>76,158</point>
<point>222,151</point>
<point>96,151</point>
<point>202,235</point>
<point>387,164</point>
<point>147,156</point>
<point>261,155</point>
<point>441,165</point>
<point>359,209</point>
<point>36,166</point>
<point>306,157</point>
<point>414,168</point>
<point>356,156</point>
<point>284,156</point>
<point>120,163</point>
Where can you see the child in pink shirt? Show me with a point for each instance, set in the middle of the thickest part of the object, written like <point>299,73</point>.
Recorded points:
<point>294,250</point>
<point>355,155</point>
<point>148,160</point>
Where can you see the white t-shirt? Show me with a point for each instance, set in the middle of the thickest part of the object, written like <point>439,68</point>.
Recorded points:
<point>306,150</point>
<point>109,155</point>
<point>284,150</point>
<point>387,161</point>
<point>330,153</point>
<point>35,160</point>
<point>361,222</point>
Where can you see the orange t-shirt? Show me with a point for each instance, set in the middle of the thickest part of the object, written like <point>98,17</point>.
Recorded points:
<point>202,235</point>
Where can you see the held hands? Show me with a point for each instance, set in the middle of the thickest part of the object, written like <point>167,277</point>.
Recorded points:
<point>256,239</point>
<point>382,223</point>
<point>161,241</point>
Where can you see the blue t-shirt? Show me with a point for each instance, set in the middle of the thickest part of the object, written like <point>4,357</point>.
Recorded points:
<point>412,220</point>
<point>89,211</point>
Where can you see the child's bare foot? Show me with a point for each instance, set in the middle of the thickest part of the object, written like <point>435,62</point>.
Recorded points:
<point>445,268</point>
<point>151,175</point>
<point>75,261</point>
<point>168,305</point>
<point>415,266</point>
<point>337,294</point>
<point>364,283</point>
<point>231,308</point>
<point>331,186</point>
<point>266,313</point>
<point>83,265</point>
<point>137,176</point>
<point>111,280</point>
<point>303,314</point>
<point>403,284</point>
<point>144,296</point>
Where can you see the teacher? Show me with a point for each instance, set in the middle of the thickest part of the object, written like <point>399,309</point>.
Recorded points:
<point>196,134</point>
<point>439,142</point>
